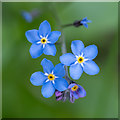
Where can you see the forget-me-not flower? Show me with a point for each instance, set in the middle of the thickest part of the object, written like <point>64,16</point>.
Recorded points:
<point>27,16</point>
<point>76,91</point>
<point>52,78</point>
<point>42,40</point>
<point>81,60</point>
<point>84,22</point>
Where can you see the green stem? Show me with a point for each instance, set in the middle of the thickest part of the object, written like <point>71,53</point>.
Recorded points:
<point>67,25</point>
<point>62,40</point>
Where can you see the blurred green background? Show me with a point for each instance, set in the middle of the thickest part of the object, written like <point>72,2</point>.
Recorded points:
<point>0,59</point>
<point>23,100</point>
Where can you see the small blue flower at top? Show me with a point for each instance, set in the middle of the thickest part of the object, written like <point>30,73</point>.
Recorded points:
<point>27,16</point>
<point>76,91</point>
<point>84,22</point>
<point>52,78</point>
<point>42,40</point>
<point>81,60</point>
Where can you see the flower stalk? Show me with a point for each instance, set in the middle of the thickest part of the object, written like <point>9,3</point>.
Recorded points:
<point>62,41</point>
<point>75,24</point>
<point>64,50</point>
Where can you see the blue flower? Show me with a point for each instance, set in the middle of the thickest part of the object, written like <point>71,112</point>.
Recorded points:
<point>76,91</point>
<point>27,16</point>
<point>81,60</point>
<point>52,78</point>
<point>42,40</point>
<point>84,21</point>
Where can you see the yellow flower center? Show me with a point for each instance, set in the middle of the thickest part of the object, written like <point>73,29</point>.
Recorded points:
<point>74,88</point>
<point>43,40</point>
<point>80,59</point>
<point>51,77</point>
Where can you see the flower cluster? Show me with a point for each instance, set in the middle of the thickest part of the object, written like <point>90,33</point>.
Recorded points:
<point>54,79</point>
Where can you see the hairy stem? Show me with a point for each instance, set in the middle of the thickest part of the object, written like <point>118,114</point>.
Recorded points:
<point>66,25</point>
<point>62,40</point>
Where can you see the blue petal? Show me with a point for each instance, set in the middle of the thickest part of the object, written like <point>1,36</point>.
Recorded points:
<point>27,16</point>
<point>36,50</point>
<point>37,78</point>
<point>59,70</point>
<point>32,36</point>
<point>91,68</point>
<point>81,91</point>
<point>84,19</point>
<point>48,89</point>
<point>85,24</point>
<point>76,71</point>
<point>75,95</point>
<point>89,21</point>
<point>44,28</point>
<point>77,46</point>
<point>53,37</point>
<point>60,84</point>
<point>90,52</point>
<point>47,66</point>
<point>71,85</point>
<point>67,59</point>
<point>49,49</point>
